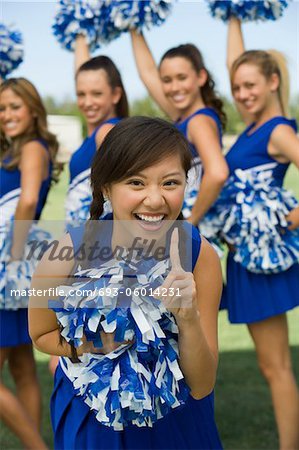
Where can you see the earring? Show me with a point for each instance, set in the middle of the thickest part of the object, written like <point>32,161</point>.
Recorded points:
<point>105,197</point>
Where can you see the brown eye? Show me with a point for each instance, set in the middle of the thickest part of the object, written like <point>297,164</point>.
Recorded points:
<point>135,182</point>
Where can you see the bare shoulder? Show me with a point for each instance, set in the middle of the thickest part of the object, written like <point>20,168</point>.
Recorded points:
<point>208,257</point>
<point>284,144</point>
<point>102,132</point>
<point>282,132</point>
<point>33,149</point>
<point>201,127</point>
<point>202,120</point>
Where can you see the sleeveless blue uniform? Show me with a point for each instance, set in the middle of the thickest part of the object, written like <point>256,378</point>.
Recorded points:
<point>79,195</point>
<point>250,297</point>
<point>195,173</point>
<point>14,324</point>
<point>191,426</point>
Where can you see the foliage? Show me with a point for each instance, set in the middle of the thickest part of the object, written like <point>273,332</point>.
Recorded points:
<point>294,109</point>
<point>147,107</point>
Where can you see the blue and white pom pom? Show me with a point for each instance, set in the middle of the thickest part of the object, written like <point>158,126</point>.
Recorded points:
<point>86,17</point>
<point>138,14</point>
<point>15,276</point>
<point>101,21</point>
<point>247,10</point>
<point>251,214</point>
<point>11,50</point>
<point>141,381</point>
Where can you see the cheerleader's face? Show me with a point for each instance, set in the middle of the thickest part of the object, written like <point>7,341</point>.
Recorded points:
<point>252,90</point>
<point>15,116</point>
<point>96,99</point>
<point>181,83</point>
<point>151,196</point>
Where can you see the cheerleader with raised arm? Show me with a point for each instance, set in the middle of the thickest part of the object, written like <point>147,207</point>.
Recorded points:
<point>102,99</point>
<point>184,89</point>
<point>261,220</point>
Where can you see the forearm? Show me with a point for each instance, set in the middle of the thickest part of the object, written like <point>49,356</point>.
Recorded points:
<point>145,62</point>
<point>196,360</point>
<point>209,191</point>
<point>235,42</point>
<point>22,221</point>
<point>52,344</point>
<point>81,51</point>
<point>293,219</point>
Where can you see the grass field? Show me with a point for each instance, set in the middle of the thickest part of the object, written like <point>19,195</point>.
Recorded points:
<point>243,406</point>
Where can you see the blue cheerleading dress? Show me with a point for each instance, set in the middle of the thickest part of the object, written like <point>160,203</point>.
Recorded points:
<point>195,173</point>
<point>248,296</point>
<point>189,426</point>
<point>79,194</point>
<point>14,323</point>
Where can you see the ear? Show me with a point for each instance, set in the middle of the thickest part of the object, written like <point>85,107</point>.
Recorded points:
<point>116,95</point>
<point>202,77</point>
<point>274,82</point>
<point>106,192</point>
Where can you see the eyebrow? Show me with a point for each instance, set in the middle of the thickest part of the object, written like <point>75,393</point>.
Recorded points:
<point>172,174</point>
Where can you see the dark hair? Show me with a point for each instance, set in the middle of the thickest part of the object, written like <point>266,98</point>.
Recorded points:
<point>130,147</point>
<point>193,55</point>
<point>113,78</point>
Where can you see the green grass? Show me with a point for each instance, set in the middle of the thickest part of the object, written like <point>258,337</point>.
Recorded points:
<point>243,406</point>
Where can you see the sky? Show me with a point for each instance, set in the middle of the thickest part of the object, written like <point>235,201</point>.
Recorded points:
<point>50,67</point>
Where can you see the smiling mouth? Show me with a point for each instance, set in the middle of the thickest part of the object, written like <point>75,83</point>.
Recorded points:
<point>178,98</point>
<point>10,126</point>
<point>151,220</point>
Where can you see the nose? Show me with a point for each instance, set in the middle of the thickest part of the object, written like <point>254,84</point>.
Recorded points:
<point>5,115</point>
<point>242,94</point>
<point>154,199</point>
<point>174,85</point>
<point>87,101</point>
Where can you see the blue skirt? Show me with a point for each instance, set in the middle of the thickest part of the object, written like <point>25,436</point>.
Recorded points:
<point>76,427</point>
<point>14,328</point>
<point>251,297</point>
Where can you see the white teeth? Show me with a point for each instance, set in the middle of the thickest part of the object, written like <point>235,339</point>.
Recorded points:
<point>10,125</point>
<point>150,218</point>
<point>178,97</point>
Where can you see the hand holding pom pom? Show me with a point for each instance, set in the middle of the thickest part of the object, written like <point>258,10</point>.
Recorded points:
<point>247,10</point>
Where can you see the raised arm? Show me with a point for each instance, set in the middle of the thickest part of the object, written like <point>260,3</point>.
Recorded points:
<point>149,73</point>
<point>235,48</point>
<point>235,42</point>
<point>81,51</point>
